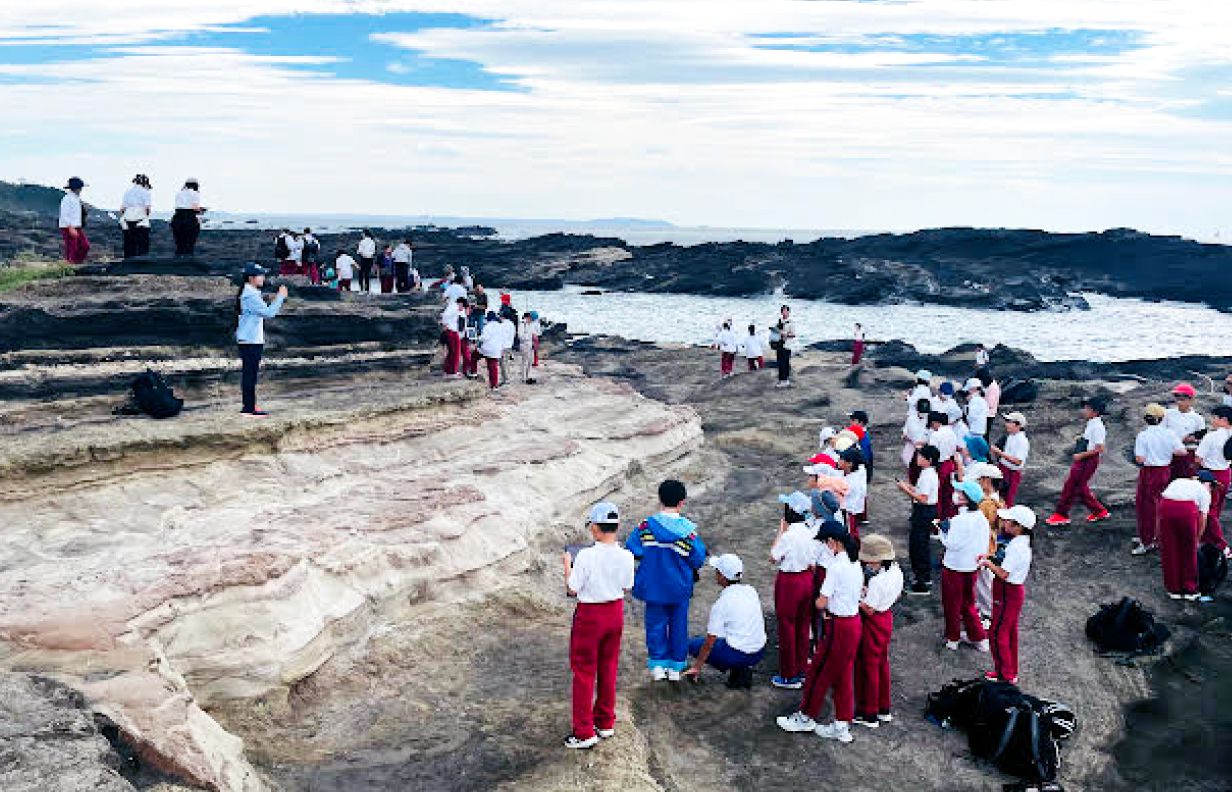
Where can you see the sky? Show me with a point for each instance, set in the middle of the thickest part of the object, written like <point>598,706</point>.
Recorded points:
<point>856,114</point>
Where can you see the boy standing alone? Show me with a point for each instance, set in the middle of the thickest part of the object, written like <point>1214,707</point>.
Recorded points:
<point>669,552</point>
<point>599,578</point>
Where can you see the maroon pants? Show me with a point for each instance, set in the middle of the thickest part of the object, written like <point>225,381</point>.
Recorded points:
<point>832,668</point>
<point>945,493</point>
<point>1214,526</point>
<point>873,666</point>
<point>857,352</point>
<point>535,343</point>
<point>793,607</point>
<point>288,267</point>
<point>1078,485</point>
<point>1012,481</point>
<point>1178,545</point>
<point>594,656</point>
<point>1151,484</point>
<point>453,351</point>
<point>753,364</point>
<point>1007,599</point>
<point>1185,466</point>
<point>726,361</point>
<point>853,525</point>
<point>958,605</point>
<point>493,372</point>
<point>75,246</point>
<point>387,284</point>
<point>344,284</point>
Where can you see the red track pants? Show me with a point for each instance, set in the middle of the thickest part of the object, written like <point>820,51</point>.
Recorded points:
<point>793,607</point>
<point>873,664</point>
<point>594,656</point>
<point>958,605</point>
<point>1178,545</point>
<point>1151,484</point>
<point>832,668</point>
<point>1214,526</point>
<point>1007,599</point>
<point>1078,485</point>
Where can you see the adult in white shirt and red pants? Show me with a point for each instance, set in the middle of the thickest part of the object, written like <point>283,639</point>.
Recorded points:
<point>1154,449</point>
<point>877,626</point>
<point>1086,462</point>
<point>1009,590</point>
<point>795,552</point>
<point>1185,423</point>
<point>1210,457</point>
<point>73,223</point>
<point>966,541</point>
<point>1183,508</point>
<point>599,577</point>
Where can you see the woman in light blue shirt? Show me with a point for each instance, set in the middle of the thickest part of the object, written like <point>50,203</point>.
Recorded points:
<point>252,311</point>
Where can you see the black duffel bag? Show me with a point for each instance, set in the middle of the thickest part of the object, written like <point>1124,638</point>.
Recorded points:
<point>154,397</point>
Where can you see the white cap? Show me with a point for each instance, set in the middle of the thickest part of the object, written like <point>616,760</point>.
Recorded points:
<point>604,512</point>
<point>820,470</point>
<point>1019,514</point>
<point>729,565</point>
<point>826,433</point>
<point>984,470</point>
<point>797,502</point>
<point>924,374</point>
<point>972,383</point>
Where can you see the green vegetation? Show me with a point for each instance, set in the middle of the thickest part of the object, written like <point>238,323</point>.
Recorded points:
<point>26,269</point>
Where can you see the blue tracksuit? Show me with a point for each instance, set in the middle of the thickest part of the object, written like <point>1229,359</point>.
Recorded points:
<point>669,552</point>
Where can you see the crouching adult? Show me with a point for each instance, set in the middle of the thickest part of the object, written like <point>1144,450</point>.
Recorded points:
<point>735,639</point>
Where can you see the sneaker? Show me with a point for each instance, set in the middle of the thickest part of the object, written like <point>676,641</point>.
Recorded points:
<point>1191,597</point>
<point>1227,553</point>
<point>658,673</point>
<point>920,589</point>
<point>796,722</point>
<point>673,675</point>
<point>605,734</point>
<point>885,717</point>
<point>255,413</point>
<point>1058,519</point>
<point>578,743</point>
<point>1099,516</point>
<point>1140,549</point>
<point>986,623</point>
<point>870,721</point>
<point>1173,596</point>
<point>795,683</point>
<point>952,645</point>
<point>835,731</point>
<point>992,676</point>
<point>981,646</point>
<point>1205,598</point>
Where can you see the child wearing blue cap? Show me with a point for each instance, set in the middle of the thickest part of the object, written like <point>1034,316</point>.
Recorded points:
<point>965,542</point>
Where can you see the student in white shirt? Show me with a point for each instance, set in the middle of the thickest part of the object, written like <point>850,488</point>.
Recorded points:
<point>526,347</point>
<point>851,463</point>
<point>1154,449</point>
<point>599,577</point>
<point>455,289</point>
<point>509,335</point>
<point>491,347</point>
<point>915,435</point>
<point>1086,461</point>
<point>186,222</point>
<point>1012,459</point>
<point>794,551</point>
<point>1184,422</point>
<point>1183,510</point>
<point>1009,590</point>
<point>735,638</point>
<point>345,265</point>
<point>834,659</point>
<point>73,222</point>
<point>366,250</point>
<point>453,339</point>
<point>727,344</point>
<point>135,217</point>
<point>981,356</point>
<point>924,496</point>
<point>942,437</point>
<point>965,541</point>
<point>922,389</point>
<point>857,345</point>
<point>1210,457</point>
<point>977,409</point>
<point>946,403</point>
<point>885,585</point>
<point>754,350</point>
<point>403,255</point>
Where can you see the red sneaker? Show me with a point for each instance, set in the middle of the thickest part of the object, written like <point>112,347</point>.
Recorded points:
<point>1058,519</point>
<point>1099,516</point>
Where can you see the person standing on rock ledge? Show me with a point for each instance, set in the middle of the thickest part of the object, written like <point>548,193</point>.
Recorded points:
<point>1087,454</point>
<point>73,222</point>
<point>786,332</point>
<point>857,345</point>
<point>186,222</point>
<point>252,311</point>
<point>135,217</point>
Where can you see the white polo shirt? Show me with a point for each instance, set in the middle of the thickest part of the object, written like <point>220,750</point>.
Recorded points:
<point>857,490</point>
<point>1017,446</point>
<point>844,585</point>
<point>928,485</point>
<point>70,210</point>
<point>915,428</point>
<point>736,618</point>
<point>977,414</point>
<point>753,347</point>
<point>187,199</point>
<point>726,341</point>
<point>402,254</point>
<point>884,589</point>
<point>796,549</point>
<point>135,205</point>
<point>1191,490</point>
<point>601,573</point>
<point>454,290</point>
<point>965,542</point>
<point>1095,433</point>
<point>1210,450</point>
<point>1183,424</point>
<point>1017,562</point>
<point>945,441</point>
<point>346,267</point>
<point>366,247</point>
<point>1156,444</point>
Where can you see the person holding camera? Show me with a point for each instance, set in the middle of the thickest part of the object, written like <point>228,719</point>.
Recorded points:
<point>252,311</point>
<point>785,332</point>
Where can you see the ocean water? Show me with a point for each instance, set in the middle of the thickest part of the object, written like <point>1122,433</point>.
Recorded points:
<point>1113,329</point>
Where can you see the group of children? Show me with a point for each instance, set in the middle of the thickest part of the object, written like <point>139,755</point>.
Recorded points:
<point>471,331</point>
<point>780,338</point>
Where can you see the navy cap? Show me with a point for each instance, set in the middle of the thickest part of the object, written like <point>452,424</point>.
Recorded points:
<point>1206,477</point>
<point>252,269</point>
<point>831,529</point>
<point>75,183</point>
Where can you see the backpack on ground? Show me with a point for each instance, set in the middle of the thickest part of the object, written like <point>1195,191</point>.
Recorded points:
<point>282,251</point>
<point>154,397</point>
<point>1019,391</point>
<point>954,706</point>
<point>1212,568</point>
<point>1126,627</point>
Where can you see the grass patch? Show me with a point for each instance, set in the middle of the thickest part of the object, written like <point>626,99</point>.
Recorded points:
<point>17,275</point>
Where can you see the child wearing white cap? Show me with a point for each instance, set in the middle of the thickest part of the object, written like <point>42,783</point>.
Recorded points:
<point>884,587</point>
<point>599,578</point>
<point>1011,456</point>
<point>1009,590</point>
<point>922,389</point>
<point>795,552</point>
<point>977,408</point>
<point>735,639</point>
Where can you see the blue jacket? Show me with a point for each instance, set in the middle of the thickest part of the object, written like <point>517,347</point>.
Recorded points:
<point>866,447</point>
<point>251,328</point>
<point>669,552</point>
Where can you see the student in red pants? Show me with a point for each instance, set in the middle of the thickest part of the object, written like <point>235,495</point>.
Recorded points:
<point>492,346</point>
<point>1210,457</point>
<point>877,625</point>
<point>1154,449</point>
<point>857,345</point>
<point>728,346</point>
<point>1183,509</point>
<point>1087,454</point>
<point>965,540</point>
<point>834,660</point>
<point>1009,590</point>
<point>1012,459</point>
<point>795,552</point>
<point>599,577</point>
<point>941,436</point>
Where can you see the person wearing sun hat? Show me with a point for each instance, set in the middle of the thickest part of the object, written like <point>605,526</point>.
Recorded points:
<point>1210,457</point>
<point>884,587</point>
<point>1187,424</point>
<point>794,551</point>
<point>735,639</point>
<point>1087,454</point>
<point>1184,506</point>
<point>965,541</point>
<point>73,222</point>
<point>1012,458</point>
<point>1154,449</point>
<point>1009,573</point>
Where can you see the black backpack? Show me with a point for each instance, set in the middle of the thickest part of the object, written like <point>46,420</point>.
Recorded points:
<point>954,706</point>
<point>1126,627</point>
<point>281,251</point>
<point>1212,568</point>
<point>154,397</point>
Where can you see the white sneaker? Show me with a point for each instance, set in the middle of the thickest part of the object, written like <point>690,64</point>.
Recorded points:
<point>658,673</point>
<point>982,646</point>
<point>952,645</point>
<point>1141,549</point>
<point>673,675</point>
<point>835,731</point>
<point>885,717</point>
<point>1190,597</point>
<point>797,723</point>
<point>1173,596</point>
<point>579,744</point>
<point>605,734</point>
